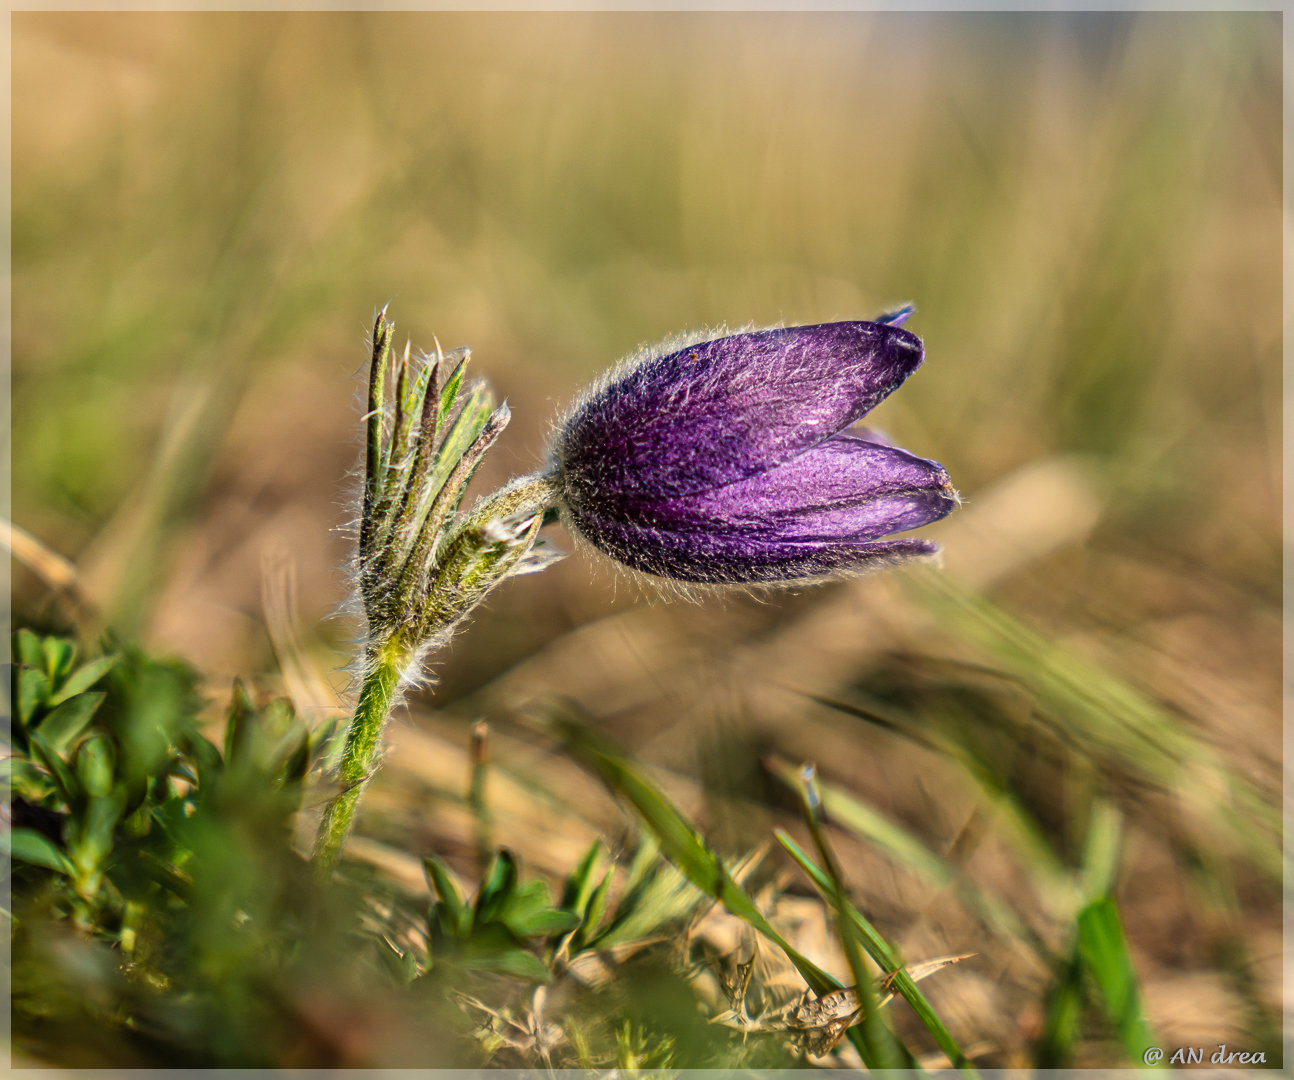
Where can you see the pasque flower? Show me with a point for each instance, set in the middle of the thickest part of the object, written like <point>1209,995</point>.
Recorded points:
<point>722,460</point>
<point>728,460</point>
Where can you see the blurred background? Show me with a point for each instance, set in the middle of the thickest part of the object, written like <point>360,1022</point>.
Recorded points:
<point>1085,208</point>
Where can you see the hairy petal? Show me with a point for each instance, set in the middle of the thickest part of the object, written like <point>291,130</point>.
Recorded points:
<point>846,488</point>
<point>821,513</point>
<point>720,411</point>
<point>740,559</point>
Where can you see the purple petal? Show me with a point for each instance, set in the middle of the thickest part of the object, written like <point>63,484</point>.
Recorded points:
<point>738,559</point>
<point>845,488</point>
<point>721,411</point>
<point>821,512</point>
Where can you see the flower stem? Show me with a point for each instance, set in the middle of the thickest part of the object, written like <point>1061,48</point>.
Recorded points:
<point>359,756</point>
<point>481,553</point>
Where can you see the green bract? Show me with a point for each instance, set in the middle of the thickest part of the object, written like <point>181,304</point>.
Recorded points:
<point>423,565</point>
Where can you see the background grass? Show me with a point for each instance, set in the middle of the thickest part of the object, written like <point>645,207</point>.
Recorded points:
<point>1062,752</point>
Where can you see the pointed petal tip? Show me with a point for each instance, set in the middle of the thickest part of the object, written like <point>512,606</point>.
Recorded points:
<point>913,548</point>
<point>897,317</point>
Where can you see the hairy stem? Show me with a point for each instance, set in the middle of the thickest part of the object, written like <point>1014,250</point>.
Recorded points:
<point>359,757</point>
<point>457,586</point>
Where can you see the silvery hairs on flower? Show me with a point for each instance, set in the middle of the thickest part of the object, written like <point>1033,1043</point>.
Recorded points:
<point>725,460</point>
<point>717,460</point>
<point>422,564</point>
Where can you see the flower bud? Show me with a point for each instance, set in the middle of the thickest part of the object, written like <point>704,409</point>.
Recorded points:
<point>726,460</point>
<point>423,565</point>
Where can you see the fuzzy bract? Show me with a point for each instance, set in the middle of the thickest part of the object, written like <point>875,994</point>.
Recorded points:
<point>726,461</point>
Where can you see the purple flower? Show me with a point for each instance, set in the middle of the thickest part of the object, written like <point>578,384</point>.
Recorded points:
<point>726,461</point>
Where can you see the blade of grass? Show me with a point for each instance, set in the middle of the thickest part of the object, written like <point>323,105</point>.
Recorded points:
<point>878,949</point>
<point>1013,820</point>
<point>1062,1029</point>
<point>1104,951</point>
<point>1102,945</point>
<point>872,1037</point>
<point>1111,719</point>
<point>679,842</point>
<point>868,824</point>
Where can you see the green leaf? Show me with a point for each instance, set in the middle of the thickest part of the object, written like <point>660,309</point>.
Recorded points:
<point>62,776</point>
<point>397,453</point>
<point>322,736</point>
<point>579,885</point>
<point>597,908</point>
<point>30,651</point>
<point>657,894</point>
<point>496,887</point>
<point>95,759</point>
<point>515,962</point>
<point>97,834</point>
<point>59,655</point>
<point>31,686</point>
<point>1101,846</point>
<point>449,392</point>
<point>152,711</point>
<point>542,923</point>
<point>477,406</point>
<point>383,328</point>
<point>529,913</point>
<point>447,475</point>
<point>267,743</point>
<point>26,845</point>
<point>83,678</point>
<point>61,727</point>
<point>1104,950</point>
<point>457,916</point>
<point>296,763</point>
<point>415,394</point>
<point>493,948</point>
<point>207,758</point>
<point>240,725</point>
<point>279,718</point>
<point>24,779</point>
<point>170,877</point>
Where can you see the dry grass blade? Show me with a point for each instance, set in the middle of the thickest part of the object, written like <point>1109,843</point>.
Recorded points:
<point>53,569</point>
<point>923,970</point>
<point>311,694</point>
